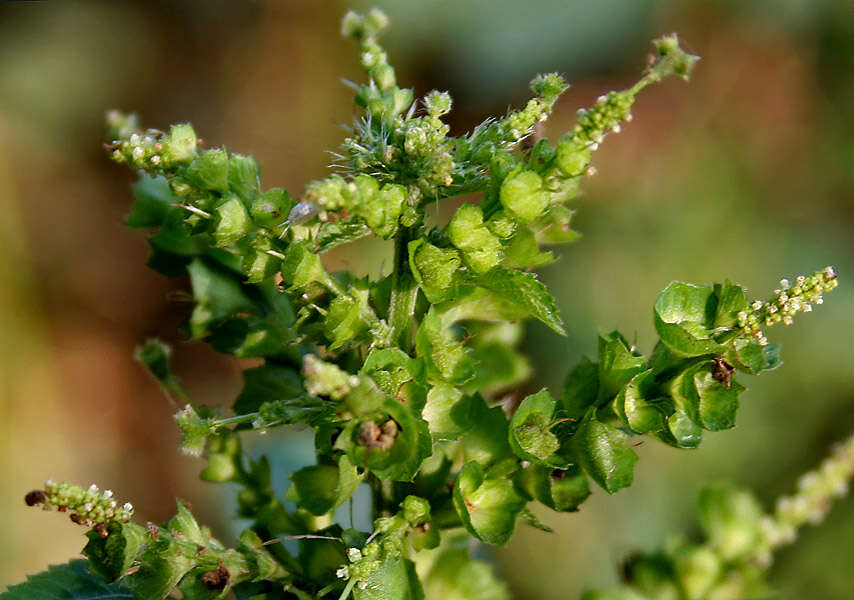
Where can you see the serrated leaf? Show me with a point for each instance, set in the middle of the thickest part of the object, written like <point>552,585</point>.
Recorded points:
<point>525,291</point>
<point>71,581</point>
<point>601,450</point>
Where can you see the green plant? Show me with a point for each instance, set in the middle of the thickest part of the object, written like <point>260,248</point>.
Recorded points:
<point>401,377</point>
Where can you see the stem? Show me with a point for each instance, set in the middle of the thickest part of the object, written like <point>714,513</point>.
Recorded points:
<point>404,291</point>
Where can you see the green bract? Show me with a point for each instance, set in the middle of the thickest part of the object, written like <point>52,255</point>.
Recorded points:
<point>408,381</point>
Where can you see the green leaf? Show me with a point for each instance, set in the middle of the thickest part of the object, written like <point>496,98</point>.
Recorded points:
<point>111,556</point>
<point>488,507</point>
<point>446,358</point>
<point>634,407</point>
<point>523,196</point>
<point>154,203</point>
<point>209,170</point>
<point>524,291</point>
<point>601,450</point>
<point>396,578</point>
<point>302,267</point>
<point>560,489</point>
<point>684,319</point>
<point>271,381</point>
<point>435,269</point>
<point>580,389</point>
<point>71,581</point>
<point>232,221</point>
<point>487,441</point>
<point>218,296</point>
<point>455,575</point>
<point>523,252</point>
<point>617,364</point>
<point>244,176</point>
<point>323,488</point>
<point>530,430</point>
<point>718,404</point>
<point>447,412</point>
<point>684,431</point>
<point>731,300</point>
<point>481,249</point>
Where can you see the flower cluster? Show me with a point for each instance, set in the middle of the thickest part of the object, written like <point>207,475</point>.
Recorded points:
<point>87,506</point>
<point>816,492</point>
<point>787,302</point>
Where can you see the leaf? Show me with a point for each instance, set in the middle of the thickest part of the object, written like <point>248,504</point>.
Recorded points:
<point>718,403</point>
<point>731,300</point>
<point>580,389</point>
<point>396,578</point>
<point>447,412</point>
<point>323,488</point>
<point>601,450</point>
<point>232,221</point>
<point>154,203</point>
<point>488,507</point>
<point>455,575</point>
<point>218,296</point>
<point>684,319</point>
<point>633,404</point>
<point>71,581</point>
<point>487,440</point>
<point>446,358</point>
<point>111,556</point>
<point>617,364</point>
<point>268,382</point>
<point>435,269</point>
<point>523,196</point>
<point>523,290</point>
<point>530,430</point>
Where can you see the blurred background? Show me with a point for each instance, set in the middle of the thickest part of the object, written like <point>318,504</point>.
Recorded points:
<point>744,173</point>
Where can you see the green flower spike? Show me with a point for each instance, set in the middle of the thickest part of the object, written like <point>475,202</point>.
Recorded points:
<point>86,506</point>
<point>787,302</point>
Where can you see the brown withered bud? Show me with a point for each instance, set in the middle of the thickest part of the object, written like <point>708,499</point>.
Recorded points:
<point>381,437</point>
<point>153,531</point>
<point>101,529</point>
<point>35,497</point>
<point>76,519</point>
<point>722,372</point>
<point>216,579</point>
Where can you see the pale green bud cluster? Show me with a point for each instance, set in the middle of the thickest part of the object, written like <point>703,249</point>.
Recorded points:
<point>152,150</point>
<point>87,506</point>
<point>194,430</point>
<point>326,379</point>
<point>787,302</point>
<point>816,492</point>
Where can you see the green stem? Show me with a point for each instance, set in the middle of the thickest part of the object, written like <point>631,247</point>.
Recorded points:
<point>404,291</point>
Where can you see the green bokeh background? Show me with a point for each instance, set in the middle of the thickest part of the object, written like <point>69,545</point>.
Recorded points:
<point>746,173</point>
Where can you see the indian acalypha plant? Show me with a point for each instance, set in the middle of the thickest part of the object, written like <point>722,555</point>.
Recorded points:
<point>402,378</point>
